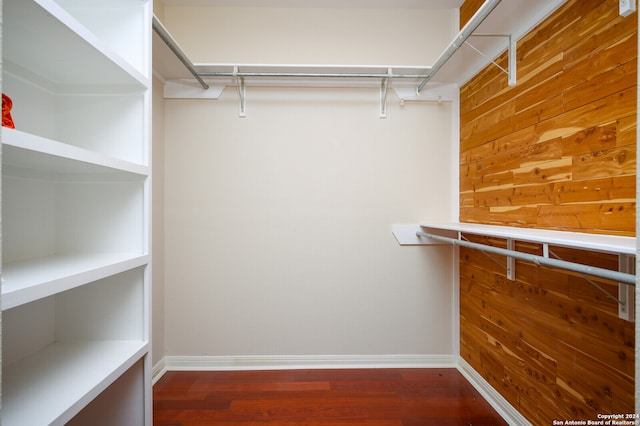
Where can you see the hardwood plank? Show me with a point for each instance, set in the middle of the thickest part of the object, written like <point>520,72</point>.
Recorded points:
<point>599,164</point>
<point>542,172</point>
<point>603,110</point>
<point>593,139</point>
<point>369,397</point>
<point>626,132</point>
<point>613,218</point>
<point>598,30</point>
<point>615,189</point>
<point>620,78</point>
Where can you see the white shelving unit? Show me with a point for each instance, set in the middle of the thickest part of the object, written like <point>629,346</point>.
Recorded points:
<point>75,212</point>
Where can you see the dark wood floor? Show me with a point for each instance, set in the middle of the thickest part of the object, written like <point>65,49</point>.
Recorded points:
<point>343,397</point>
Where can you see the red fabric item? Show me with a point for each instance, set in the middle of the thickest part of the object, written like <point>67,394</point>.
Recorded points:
<point>7,104</point>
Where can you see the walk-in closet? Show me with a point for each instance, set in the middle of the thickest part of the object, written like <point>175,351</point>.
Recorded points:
<point>397,194</point>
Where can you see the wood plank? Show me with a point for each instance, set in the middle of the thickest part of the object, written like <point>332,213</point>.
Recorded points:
<point>593,139</point>
<point>618,79</point>
<point>605,163</point>
<point>626,131</point>
<point>543,172</point>
<point>488,127</point>
<point>614,189</point>
<point>598,30</point>
<point>483,95</point>
<point>605,110</point>
<point>591,379</point>
<point>554,35</point>
<point>525,216</point>
<point>614,218</point>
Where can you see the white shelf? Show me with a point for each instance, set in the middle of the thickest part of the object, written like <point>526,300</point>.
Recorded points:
<point>53,385</point>
<point>62,52</point>
<point>510,17</point>
<point>577,240</point>
<point>119,24</point>
<point>24,282</point>
<point>26,151</point>
<point>310,75</point>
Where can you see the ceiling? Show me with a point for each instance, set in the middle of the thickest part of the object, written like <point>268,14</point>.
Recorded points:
<point>360,4</point>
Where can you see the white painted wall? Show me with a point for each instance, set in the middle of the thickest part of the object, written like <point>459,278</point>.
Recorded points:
<point>311,36</point>
<point>278,226</point>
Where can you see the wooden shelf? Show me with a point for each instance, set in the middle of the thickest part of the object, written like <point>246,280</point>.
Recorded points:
<point>577,240</point>
<point>26,151</point>
<point>53,385</point>
<point>24,282</point>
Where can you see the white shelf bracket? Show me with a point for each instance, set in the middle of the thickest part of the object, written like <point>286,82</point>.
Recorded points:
<point>384,89</point>
<point>242,93</point>
<point>511,261</point>
<point>626,293</point>
<point>512,61</point>
<point>511,67</point>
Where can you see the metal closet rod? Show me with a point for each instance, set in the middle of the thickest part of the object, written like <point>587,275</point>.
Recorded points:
<point>473,23</point>
<point>164,34</point>
<point>593,271</point>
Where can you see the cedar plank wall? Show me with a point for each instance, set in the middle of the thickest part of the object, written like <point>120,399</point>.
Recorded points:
<point>556,151</point>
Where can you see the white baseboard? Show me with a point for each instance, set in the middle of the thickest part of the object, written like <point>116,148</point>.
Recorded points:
<point>158,371</point>
<point>492,396</point>
<point>290,362</point>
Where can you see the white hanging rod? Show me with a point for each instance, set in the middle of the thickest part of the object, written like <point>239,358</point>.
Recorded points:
<point>164,34</point>
<point>594,271</point>
<point>475,21</point>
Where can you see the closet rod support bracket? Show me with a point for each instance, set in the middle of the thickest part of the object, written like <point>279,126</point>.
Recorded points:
<point>242,93</point>
<point>512,61</point>
<point>384,90</point>
<point>511,261</point>
<point>626,293</point>
<point>511,52</point>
